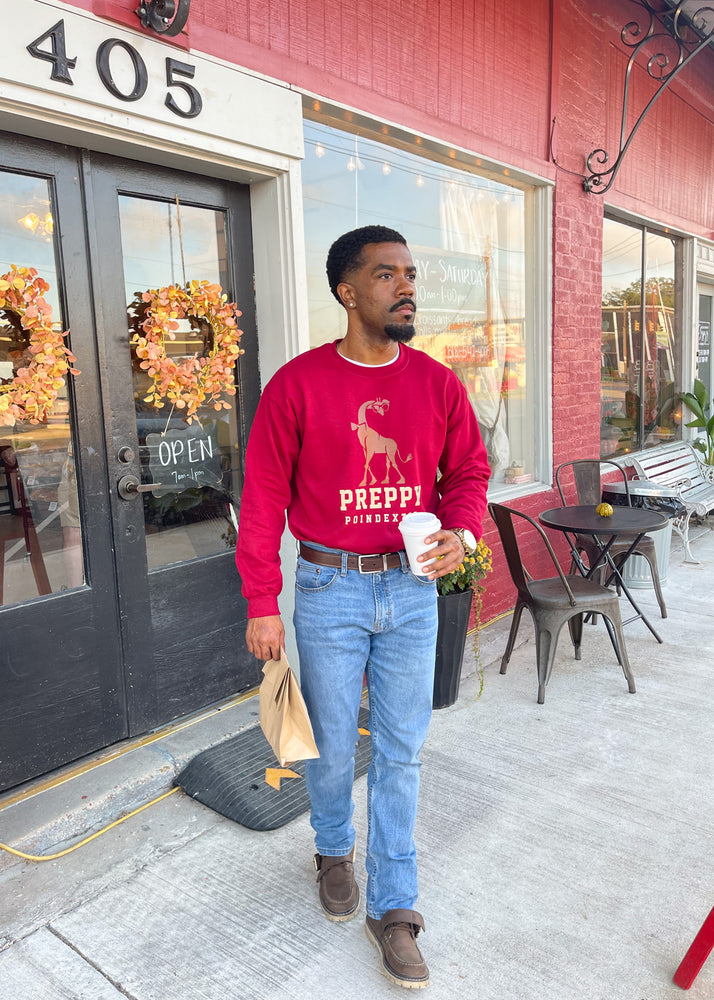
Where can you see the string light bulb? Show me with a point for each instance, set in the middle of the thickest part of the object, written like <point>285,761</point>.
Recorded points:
<point>319,150</point>
<point>386,169</point>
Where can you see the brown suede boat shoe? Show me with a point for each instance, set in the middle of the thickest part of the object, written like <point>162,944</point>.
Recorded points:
<point>339,893</point>
<point>395,936</point>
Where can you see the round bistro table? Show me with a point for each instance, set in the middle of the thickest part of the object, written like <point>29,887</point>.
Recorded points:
<point>625,523</point>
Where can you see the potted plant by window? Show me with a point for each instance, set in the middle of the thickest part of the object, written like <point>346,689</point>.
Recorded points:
<point>698,403</point>
<point>456,592</point>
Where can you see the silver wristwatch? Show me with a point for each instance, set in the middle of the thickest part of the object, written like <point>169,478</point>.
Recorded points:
<point>467,539</point>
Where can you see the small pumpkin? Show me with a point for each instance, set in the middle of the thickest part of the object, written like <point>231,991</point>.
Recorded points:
<point>604,510</point>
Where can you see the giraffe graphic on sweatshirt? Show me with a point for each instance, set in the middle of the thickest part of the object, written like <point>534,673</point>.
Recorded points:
<point>373,443</point>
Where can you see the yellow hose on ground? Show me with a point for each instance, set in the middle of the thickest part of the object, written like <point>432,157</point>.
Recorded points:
<point>68,850</point>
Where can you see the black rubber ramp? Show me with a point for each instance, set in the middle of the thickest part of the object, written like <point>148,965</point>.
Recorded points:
<point>230,778</point>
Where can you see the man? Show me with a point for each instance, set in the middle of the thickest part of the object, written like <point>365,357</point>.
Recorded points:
<point>348,438</point>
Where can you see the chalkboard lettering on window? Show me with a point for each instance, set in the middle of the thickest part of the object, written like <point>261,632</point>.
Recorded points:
<point>183,459</point>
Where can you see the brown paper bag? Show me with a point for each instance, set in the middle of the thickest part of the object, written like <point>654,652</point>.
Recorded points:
<point>283,715</point>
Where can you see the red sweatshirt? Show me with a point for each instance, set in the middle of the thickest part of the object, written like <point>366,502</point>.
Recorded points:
<point>347,450</point>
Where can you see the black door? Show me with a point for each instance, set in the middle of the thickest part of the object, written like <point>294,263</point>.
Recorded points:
<point>120,607</point>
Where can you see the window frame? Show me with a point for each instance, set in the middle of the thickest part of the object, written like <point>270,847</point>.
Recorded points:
<point>538,192</point>
<point>685,278</point>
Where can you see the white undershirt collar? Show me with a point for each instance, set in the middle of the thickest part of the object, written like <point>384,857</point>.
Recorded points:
<point>362,364</point>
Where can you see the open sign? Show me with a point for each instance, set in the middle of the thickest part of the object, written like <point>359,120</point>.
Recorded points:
<point>183,459</point>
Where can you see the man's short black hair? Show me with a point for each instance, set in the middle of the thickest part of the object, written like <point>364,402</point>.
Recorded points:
<point>345,254</point>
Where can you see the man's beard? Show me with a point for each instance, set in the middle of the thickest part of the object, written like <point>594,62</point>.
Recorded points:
<point>401,332</point>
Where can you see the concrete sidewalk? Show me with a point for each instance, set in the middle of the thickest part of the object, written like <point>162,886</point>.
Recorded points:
<point>563,847</point>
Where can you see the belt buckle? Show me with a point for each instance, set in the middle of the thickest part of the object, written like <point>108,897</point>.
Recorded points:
<point>376,555</point>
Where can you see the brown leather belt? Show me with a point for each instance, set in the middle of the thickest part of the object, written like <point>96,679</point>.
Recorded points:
<point>378,563</point>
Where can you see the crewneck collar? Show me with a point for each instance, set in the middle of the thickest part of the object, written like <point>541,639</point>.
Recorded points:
<point>362,364</point>
<point>374,371</point>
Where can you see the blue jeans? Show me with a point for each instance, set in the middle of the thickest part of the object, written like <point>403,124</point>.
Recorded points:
<point>383,624</point>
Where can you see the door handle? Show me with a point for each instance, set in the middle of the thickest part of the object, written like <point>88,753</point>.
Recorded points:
<point>129,487</point>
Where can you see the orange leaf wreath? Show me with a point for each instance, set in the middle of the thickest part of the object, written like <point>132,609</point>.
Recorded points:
<point>191,382</point>
<point>33,391</point>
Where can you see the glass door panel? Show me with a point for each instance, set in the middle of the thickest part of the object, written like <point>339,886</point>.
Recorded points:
<point>195,468</point>
<point>182,616</point>
<point>41,549</point>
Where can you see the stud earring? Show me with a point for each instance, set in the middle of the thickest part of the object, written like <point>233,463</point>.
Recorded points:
<point>352,305</point>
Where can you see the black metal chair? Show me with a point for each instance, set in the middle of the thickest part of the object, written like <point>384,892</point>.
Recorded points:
<point>555,601</point>
<point>588,487</point>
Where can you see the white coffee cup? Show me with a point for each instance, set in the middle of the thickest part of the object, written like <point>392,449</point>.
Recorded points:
<point>415,528</point>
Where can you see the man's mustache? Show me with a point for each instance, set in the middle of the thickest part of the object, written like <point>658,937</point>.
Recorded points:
<point>403,302</point>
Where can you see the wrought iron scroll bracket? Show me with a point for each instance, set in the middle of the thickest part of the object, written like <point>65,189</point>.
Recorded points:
<point>674,36</point>
<point>166,17</point>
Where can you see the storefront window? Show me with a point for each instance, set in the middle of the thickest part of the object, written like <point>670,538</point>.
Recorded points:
<point>641,373</point>
<point>40,529</point>
<point>467,234</point>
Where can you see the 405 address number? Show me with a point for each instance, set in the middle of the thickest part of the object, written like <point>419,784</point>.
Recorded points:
<point>52,47</point>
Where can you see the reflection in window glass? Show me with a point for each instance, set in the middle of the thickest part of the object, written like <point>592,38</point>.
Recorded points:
<point>467,236</point>
<point>40,528</point>
<point>641,340</point>
<point>189,514</point>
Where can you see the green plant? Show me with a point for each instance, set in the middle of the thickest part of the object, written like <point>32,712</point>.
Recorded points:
<point>698,403</point>
<point>469,574</point>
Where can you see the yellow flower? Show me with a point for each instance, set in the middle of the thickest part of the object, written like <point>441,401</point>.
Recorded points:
<point>469,573</point>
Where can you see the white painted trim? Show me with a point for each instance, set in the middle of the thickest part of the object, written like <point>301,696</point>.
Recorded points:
<point>622,215</point>
<point>282,313</point>
<point>539,284</point>
<point>542,309</point>
<point>690,334</point>
<point>705,260</point>
<point>280,279</point>
<point>248,127</point>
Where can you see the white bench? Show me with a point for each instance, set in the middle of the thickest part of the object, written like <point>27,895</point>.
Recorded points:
<point>691,480</point>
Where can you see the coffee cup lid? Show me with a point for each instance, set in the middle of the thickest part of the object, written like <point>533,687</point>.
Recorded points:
<point>419,519</point>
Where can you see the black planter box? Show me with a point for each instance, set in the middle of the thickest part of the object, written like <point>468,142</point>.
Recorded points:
<point>454,613</point>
